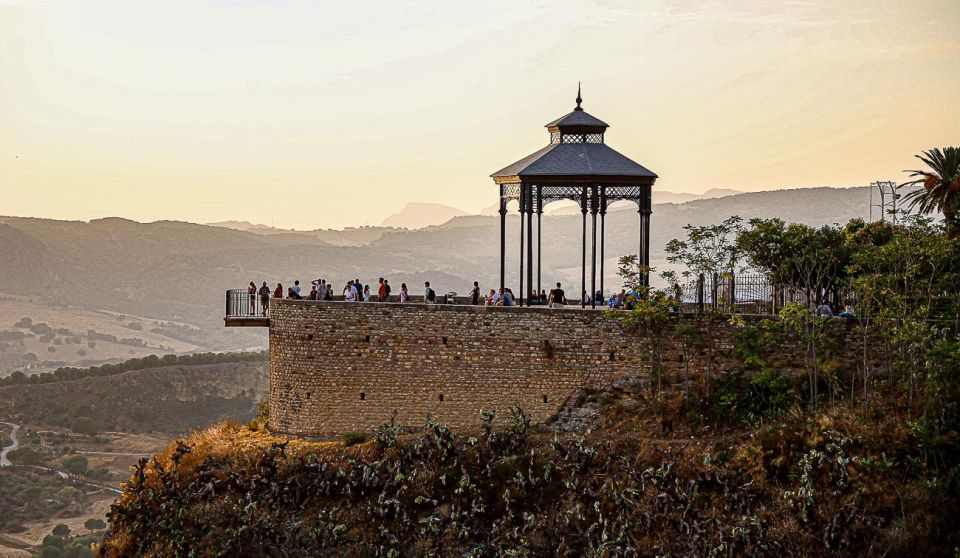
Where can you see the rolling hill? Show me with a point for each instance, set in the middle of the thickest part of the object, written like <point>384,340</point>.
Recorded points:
<point>169,271</point>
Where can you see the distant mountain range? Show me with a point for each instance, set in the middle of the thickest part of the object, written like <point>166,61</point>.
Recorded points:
<point>419,215</point>
<point>176,271</point>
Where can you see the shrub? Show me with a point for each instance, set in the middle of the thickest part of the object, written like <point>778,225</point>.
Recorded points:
<point>75,464</point>
<point>353,438</point>
<point>84,425</point>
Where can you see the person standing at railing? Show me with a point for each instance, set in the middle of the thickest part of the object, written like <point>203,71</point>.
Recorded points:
<point>252,295</point>
<point>475,294</point>
<point>278,292</point>
<point>386,283</point>
<point>404,295</point>
<point>264,298</point>
<point>382,290</point>
<point>557,297</point>
<point>321,285</point>
<point>366,293</point>
<point>350,293</point>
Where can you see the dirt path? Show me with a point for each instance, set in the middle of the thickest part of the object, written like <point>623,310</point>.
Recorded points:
<point>14,444</point>
<point>120,453</point>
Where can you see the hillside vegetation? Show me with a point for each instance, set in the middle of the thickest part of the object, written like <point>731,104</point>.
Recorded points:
<point>829,484</point>
<point>847,459</point>
<point>169,394</point>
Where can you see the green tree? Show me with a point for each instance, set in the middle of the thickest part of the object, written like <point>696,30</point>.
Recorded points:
<point>648,318</point>
<point>75,464</point>
<point>67,495</point>
<point>84,425</point>
<point>95,524</point>
<point>799,257</point>
<point>61,530</point>
<point>709,250</point>
<point>941,186</point>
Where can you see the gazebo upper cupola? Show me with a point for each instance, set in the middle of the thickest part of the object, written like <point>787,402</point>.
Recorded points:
<point>576,165</point>
<point>577,127</point>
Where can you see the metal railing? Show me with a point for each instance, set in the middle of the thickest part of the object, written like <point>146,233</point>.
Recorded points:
<point>746,294</point>
<point>740,293</point>
<point>242,304</point>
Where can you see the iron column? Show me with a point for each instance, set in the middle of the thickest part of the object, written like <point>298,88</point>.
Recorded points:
<point>583,251</point>
<point>529,242</point>
<point>539,226</point>
<point>603,236</point>
<point>519,300</point>
<point>503,235</point>
<point>593,248</point>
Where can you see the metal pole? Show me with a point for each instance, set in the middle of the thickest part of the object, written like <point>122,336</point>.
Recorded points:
<point>603,236</point>
<point>529,243</point>
<point>640,250</point>
<point>503,236</point>
<point>646,248</point>
<point>593,250</point>
<point>520,296</point>
<point>583,251</point>
<point>539,236</point>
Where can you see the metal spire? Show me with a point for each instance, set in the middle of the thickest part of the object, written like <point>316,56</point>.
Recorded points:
<point>579,100</point>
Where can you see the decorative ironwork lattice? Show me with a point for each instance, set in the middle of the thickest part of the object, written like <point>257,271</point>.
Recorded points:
<point>511,192</point>
<point>557,193</point>
<point>568,137</point>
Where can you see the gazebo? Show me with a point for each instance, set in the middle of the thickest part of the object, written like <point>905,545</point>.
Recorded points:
<point>576,165</point>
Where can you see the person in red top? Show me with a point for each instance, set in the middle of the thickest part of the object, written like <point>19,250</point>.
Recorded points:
<point>278,293</point>
<point>382,293</point>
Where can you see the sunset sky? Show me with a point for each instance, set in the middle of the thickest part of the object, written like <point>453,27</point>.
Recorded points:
<point>328,114</point>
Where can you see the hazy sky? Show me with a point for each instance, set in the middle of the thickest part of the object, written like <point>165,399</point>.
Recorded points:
<point>326,114</point>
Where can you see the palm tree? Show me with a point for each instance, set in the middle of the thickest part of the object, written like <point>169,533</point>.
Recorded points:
<point>941,186</point>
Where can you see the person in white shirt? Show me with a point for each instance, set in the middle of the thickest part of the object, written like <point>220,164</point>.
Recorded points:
<point>404,295</point>
<point>296,288</point>
<point>321,285</point>
<point>350,292</point>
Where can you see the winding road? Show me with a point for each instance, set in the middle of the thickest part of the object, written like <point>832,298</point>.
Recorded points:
<point>14,444</point>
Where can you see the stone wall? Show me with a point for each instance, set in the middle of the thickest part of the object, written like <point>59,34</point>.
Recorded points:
<point>337,367</point>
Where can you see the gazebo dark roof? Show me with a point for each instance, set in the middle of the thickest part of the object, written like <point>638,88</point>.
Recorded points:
<point>581,159</point>
<point>577,152</point>
<point>578,117</point>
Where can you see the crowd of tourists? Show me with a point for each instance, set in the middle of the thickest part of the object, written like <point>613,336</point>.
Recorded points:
<point>355,291</point>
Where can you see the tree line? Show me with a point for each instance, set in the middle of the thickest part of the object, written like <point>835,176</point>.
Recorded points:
<point>68,373</point>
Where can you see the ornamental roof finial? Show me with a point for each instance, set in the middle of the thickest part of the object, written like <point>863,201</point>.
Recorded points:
<point>579,100</point>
